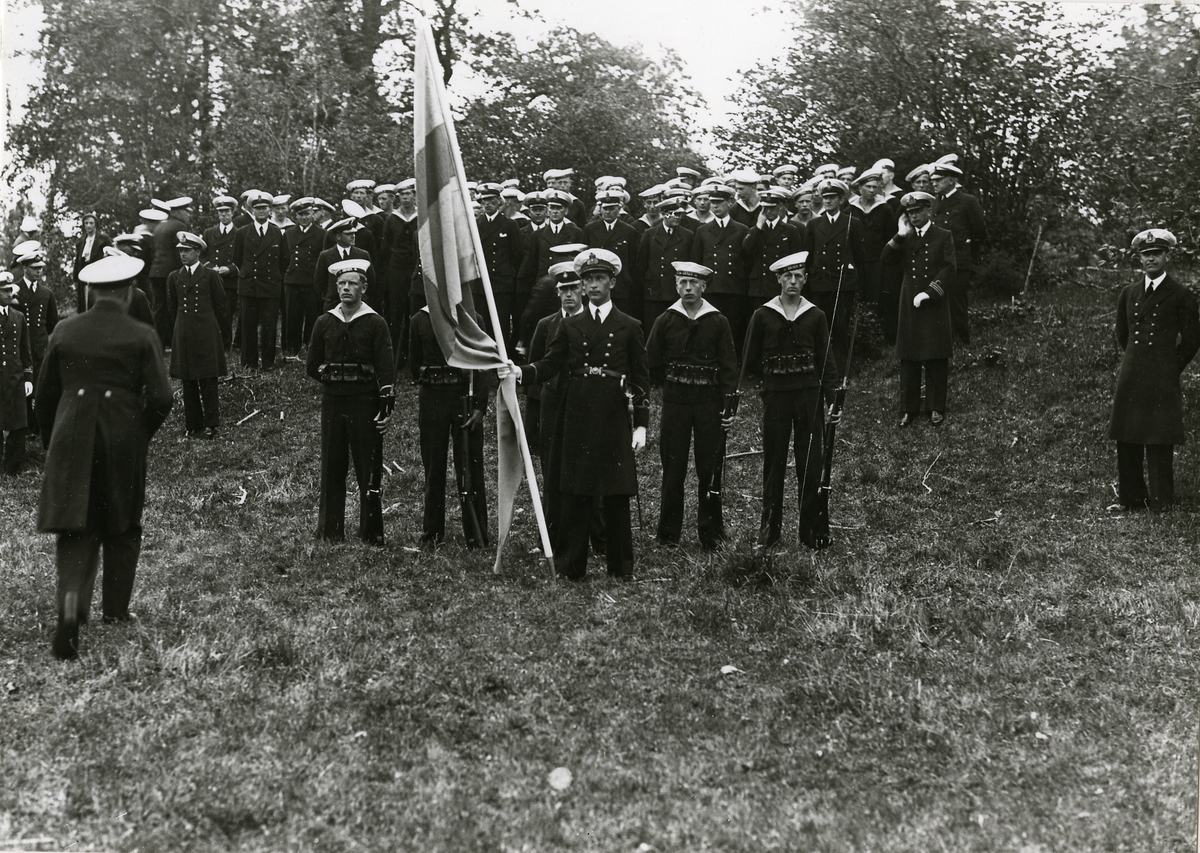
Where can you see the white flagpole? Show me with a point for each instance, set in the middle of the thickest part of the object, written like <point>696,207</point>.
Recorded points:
<point>461,176</point>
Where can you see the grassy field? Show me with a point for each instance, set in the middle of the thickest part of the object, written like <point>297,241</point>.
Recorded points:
<point>986,659</point>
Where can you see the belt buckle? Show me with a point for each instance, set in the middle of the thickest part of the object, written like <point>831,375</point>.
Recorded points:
<point>594,371</point>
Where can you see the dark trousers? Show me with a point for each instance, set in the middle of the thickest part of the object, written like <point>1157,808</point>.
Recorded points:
<point>164,322</point>
<point>348,432</point>
<point>78,558</point>
<point>680,421</point>
<point>960,285</point>
<point>438,418</point>
<point>574,531</point>
<point>790,416</point>
<point>937,379</point>
<point>506,310</point>
<point>14,450</point>
<point>398,317</point>
<point>300,310</point>
<point>550,407</point>
<point>839,323</point>
<point>233,320</point>
<point>260,316</point>
<point>1160,471</point>
<point>200,404</point>
<point>890,279</point>
<point>733,306</point>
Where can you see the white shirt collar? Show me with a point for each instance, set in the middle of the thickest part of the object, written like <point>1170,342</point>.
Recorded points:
<point>565,315</point>
<point>192,269</point>
<point>3,310</point>
<point>1153,283</point>
<point>776,304</point>
<point>705,308</point>
<point>363,310</point>
<point>31,285</point>
<point>723,222</point>
<point>604,309</point>
<point>952,192</point>
<point>492,218</point>
<point>832,217</point>
<point>923,229</point>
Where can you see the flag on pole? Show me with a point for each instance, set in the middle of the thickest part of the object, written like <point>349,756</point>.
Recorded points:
<point>451,263</point>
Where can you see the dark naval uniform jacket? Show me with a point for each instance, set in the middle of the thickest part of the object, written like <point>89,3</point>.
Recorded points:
<point>656,252</point>
<point>503,251</point>
<point>702,347</point>
<point>721,250</point>
<point>325,283</point>
<point>599,362</point>
<point>927,263</point>
<point>790,354</point>
<point>1159,333</point>
<point>537,259</point>
<point>102,393</point>
<point>763,247</point>
<point>836,252</point>
<point>961,215</point>
<point>16,368</point>
<point>197,302</point>
<point>621,240</point>
<point>41,316</point>
<point>303,247</point>
<point>260,261</point>
<point>220,253</point>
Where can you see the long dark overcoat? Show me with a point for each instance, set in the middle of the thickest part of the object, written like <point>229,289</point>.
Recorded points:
<point>102,393</point>
<point>597,454</point>
<point>1160,333</point>
<point>197,302</point>
<point>924,333</point>
<point>16,368</point>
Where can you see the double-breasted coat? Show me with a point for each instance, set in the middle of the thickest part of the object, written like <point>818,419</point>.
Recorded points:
<point>261,261</point>
<point>961,215</point>
<point>503,251</point>
<point>595,429</point>
<point>763,247</point>
<point>836,252</point>
<point>103,392</point>
<point>197,302</point>
<point>621,240</point>
<point>537,259</point>
<point>927,262</point>
<point>656,252</point>
<point>16,368</point>
<point>721,250</point>
<point>36,301</point>
<point>1159,333</point>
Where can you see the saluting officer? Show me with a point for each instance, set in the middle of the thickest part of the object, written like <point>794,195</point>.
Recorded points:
<point>350,354</point>
<point>16,377</point>
<point>719,245</point>
<point>450,413</point>
<point>787,344</point>
<point>103,392</point>
<point>924,342</point>
<point>219,239</point>
<point>196,297</point>
<point>771,238</point>
<point>690,351</point>
<point>603,354</point>
<point>1159,330</point>
<point>961,215</point>
<point>301,305</point>
<point>836,246</point>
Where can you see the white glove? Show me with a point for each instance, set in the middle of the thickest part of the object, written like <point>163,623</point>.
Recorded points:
<point>639,439</point>
<point>920,299</point>
<point>903,227</point>
<point>507,370</point>
<point>28,389</point>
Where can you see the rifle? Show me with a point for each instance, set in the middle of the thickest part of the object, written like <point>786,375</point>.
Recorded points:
<point>729,411</point>
<point>821,506</point>
<point>637,489</point>
<point>466,492</point>
<point>373,509</point>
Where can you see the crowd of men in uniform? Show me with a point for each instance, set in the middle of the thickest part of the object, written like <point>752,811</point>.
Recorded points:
<point>717,279</point>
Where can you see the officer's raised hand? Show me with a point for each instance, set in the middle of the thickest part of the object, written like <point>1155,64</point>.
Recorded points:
<point>904,226</point>
<point>639,439</point>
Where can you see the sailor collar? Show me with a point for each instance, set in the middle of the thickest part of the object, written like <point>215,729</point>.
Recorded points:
<point>705,308</point>
<point>363,310</point>
<point>776,305</point>
<point>396,212</point>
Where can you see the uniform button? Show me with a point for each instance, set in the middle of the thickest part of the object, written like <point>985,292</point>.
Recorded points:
<point>107,394</point>
<point>80,392</point>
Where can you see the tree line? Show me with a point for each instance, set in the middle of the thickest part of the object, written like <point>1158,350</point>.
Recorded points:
<point>1083,128</point>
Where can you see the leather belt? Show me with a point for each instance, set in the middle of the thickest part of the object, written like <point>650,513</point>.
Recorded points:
<point>588,370</point>
<point>788,365</point>
<point>693,374</point>
<point>434,374</point>
<point>340,372</point>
